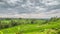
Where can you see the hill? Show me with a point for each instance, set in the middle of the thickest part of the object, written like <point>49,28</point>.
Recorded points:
<point>51,26</point>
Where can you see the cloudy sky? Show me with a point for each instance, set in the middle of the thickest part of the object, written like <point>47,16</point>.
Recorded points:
<point>30,8</point>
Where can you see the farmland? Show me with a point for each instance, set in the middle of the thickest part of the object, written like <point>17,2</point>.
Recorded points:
<point>30,26</point>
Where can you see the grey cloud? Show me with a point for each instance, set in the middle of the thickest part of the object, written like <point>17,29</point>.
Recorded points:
<point>29,6</point>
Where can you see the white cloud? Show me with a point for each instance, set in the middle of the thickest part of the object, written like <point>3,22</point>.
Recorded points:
<point>12,1</point>
<point>23,5</point>
<point>39,15</point>
<point>9,9</point>
<point>40,9</point>
<point>29,5</point>
<point>57,11</point>
<point>2,3</point>
<point>50,2</point>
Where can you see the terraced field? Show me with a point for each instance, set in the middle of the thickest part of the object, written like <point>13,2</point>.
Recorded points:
<point>51,27</point>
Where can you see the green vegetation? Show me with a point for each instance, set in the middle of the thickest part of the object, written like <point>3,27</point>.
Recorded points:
<point>30,26</point>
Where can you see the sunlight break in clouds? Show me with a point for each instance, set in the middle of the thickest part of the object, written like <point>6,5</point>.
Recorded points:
<point>30,8</point>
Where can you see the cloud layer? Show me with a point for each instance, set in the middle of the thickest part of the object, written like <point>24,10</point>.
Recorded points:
<point>30,8</point>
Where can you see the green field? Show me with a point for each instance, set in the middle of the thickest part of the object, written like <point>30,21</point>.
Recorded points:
<point>30,26</point>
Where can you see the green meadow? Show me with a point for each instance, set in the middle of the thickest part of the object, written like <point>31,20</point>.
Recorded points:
<point>30,26</point>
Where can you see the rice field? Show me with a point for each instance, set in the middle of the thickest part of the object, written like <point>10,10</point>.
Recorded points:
<point>38,27</point>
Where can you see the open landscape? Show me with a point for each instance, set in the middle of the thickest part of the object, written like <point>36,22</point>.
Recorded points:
<point>29,26</point>
<point>29,16</point>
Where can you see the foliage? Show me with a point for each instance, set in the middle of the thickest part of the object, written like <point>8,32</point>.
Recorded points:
<point>30,26</point>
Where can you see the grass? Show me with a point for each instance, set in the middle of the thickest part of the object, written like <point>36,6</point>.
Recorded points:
<point>29,28</point>
<point>52,27</point>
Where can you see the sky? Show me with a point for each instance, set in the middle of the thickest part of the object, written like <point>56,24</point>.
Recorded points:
<point>30,8</point>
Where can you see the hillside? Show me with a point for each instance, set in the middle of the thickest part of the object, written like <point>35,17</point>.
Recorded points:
<point>51,26</point>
